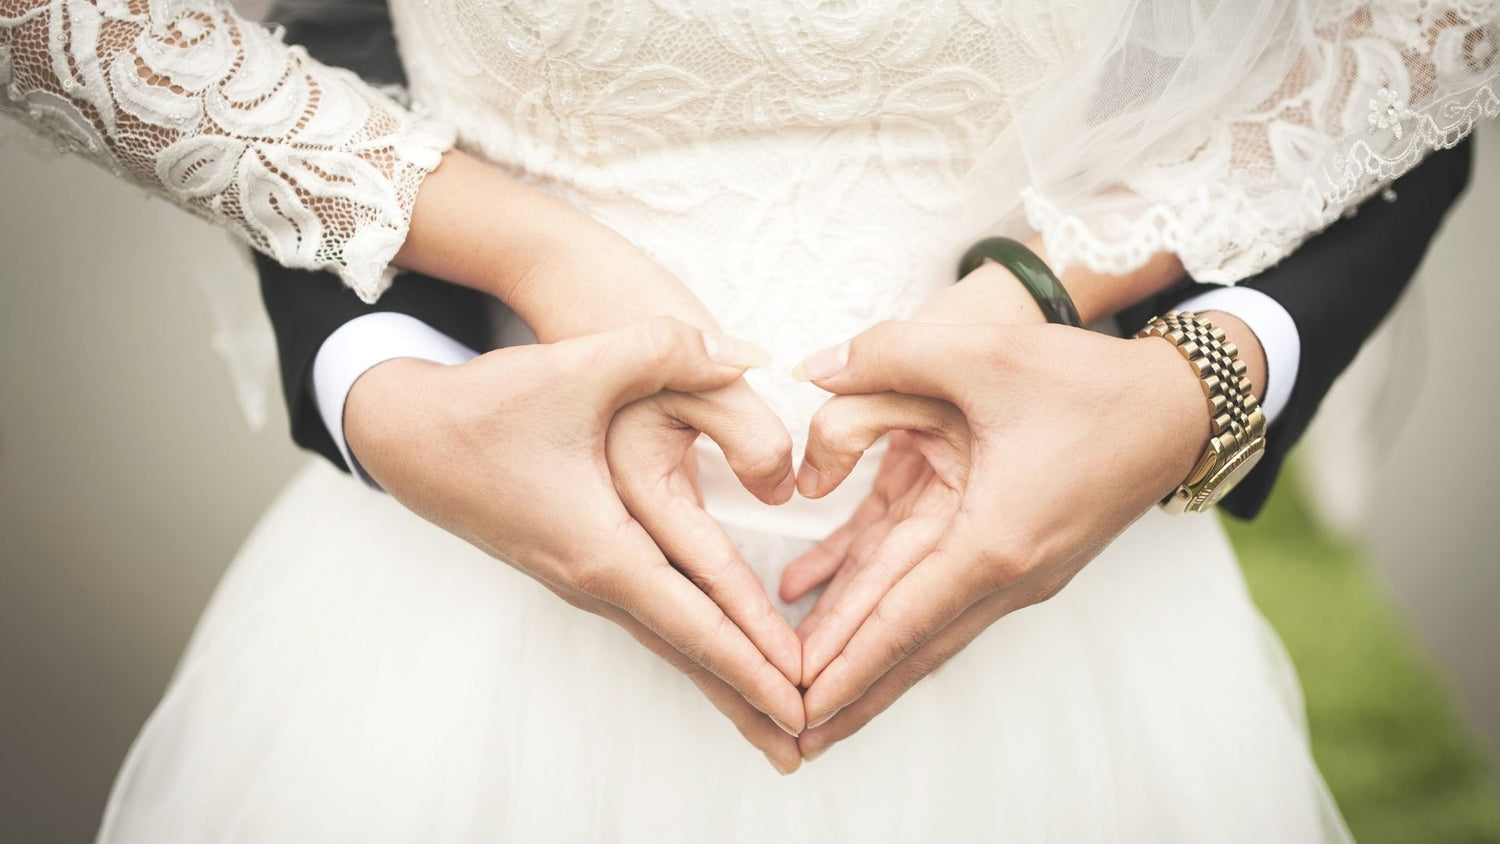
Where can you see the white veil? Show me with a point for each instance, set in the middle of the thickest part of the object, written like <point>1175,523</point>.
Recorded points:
<point>1227,131</point>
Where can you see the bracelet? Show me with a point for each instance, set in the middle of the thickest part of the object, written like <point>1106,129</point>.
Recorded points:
<point>1033,272</point>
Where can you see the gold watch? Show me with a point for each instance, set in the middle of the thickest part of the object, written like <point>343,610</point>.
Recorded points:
<point>1237,438</point>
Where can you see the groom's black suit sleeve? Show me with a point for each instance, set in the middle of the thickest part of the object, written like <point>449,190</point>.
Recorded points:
<point>1337,287</point>
<point>306,307</point>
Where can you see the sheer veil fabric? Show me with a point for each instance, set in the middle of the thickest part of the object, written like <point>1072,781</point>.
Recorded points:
<point>1228,132</point>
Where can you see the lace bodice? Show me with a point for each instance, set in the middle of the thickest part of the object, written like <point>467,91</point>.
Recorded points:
<point>811,167</point>
<point>800,167</point>
<point>303,162</point>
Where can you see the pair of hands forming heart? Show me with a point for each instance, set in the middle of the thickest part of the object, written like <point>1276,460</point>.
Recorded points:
<point>1017,452</point>
<point>1027,448</point>
<point>1021,451</point>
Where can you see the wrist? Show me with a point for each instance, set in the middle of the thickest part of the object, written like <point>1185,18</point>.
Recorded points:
<point>1237,425</point>
<point>382,409</point>
<point>988,295</point>
<point>1099,295</point>
<point>1250,349</point>
<point>1179,412</point>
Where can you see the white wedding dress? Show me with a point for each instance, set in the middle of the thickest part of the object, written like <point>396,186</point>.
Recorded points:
<point>807,169</point>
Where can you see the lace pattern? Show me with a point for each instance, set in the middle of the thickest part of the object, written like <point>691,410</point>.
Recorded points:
<point>301,161</point>
<point>809,168</point>
<point>1372,89</point>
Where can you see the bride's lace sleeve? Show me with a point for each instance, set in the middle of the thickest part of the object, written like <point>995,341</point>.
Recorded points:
<point>304,162</point>
<point>1230,139</point>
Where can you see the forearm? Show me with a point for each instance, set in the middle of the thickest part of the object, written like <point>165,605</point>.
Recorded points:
<point>1099,295</point>
<point>304,163</point>
<point>563,272</point>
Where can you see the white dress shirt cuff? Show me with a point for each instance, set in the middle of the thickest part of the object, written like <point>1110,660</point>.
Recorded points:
<point>1275,329</point>
<point>360,344</point>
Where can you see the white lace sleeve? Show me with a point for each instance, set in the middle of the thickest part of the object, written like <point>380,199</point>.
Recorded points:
<point>1232,170</point>
<point>304,162</point>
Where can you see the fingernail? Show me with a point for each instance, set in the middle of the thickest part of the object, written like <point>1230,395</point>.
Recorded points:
<point>822,364</point>
<point>784,728</point>
<point>813,725</point>
<point>808,757</point>
<point>732,351</point>
<point>784,489</point>
<point>807,479</point>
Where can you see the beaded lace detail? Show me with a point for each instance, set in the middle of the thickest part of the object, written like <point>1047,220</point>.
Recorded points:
<point>303,162</point>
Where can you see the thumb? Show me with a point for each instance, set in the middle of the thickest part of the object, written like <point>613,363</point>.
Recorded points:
<point>643,359</point>
<point>754,440</point>
<point>845,427</point>
<point>904,357</point>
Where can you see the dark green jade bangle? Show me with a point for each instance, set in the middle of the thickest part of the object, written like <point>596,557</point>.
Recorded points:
<point>1033,272</point>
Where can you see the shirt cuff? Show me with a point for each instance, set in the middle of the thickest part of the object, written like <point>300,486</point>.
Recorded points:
<point>360,344</point>
<point>1273,327</point>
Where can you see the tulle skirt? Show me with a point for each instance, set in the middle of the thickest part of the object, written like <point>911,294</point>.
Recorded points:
<point>361,675</point>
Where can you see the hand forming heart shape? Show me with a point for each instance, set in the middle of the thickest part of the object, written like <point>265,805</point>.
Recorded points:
<point>1011,467</point>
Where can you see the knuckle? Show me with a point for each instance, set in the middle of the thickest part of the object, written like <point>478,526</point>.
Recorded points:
<point>919,665</point>
<point>766,457</point>
<point>1047,587</point>
<point>834,423</point>
<point>572,366</point>
<point>701,649</point>
<point>708,575</point>
<point>902,638</point>
<point>875,344</point>
<point>666,340</point>
<point>576,600</point>
<point>1004,561</point>
<point>885,331</point>
<point>693,670</point>
<point>596,577</point>
<point>764,684</point>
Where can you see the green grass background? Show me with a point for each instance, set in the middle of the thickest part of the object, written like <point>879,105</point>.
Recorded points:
<point>1384,725</point>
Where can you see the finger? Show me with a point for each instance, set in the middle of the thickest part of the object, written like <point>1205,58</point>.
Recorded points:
<point>904,475</point>
<point>643,359</point>
<point>860,552</point>
<point>821,561</point>
<point>679,612</point>
<point>895,682</point>
<point>846,426</point>
<point>700,549</point>
<point>751,435</point>
<point>779,748</point>
<point>934,593</point>
<point>919,359</point>
<point>907,544</point>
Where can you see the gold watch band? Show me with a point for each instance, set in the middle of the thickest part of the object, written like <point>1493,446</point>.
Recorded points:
<point>1237,428</point>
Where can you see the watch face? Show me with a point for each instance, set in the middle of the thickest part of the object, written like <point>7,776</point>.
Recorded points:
<point>1240,466</point>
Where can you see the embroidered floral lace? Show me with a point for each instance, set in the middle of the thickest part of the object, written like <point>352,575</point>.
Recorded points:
<point>304,162</point>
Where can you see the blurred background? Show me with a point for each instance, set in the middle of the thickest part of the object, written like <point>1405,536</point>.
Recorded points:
<point>129,475</point>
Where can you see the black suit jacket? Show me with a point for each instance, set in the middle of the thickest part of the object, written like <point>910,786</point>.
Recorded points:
<point>1337,287</point>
